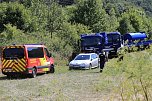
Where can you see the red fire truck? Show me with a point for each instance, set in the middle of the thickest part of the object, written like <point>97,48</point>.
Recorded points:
<point>26,59</point>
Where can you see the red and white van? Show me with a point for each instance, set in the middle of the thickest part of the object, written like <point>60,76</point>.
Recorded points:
<point>26,59</point>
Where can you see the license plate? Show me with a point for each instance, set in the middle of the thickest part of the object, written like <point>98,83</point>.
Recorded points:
<point>8,69</point>
<point>76,66</point>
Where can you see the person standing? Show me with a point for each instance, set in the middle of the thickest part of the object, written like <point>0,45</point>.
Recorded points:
<point>102,61</point>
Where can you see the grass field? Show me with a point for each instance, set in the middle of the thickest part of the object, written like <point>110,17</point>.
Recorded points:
<point>127,80</point>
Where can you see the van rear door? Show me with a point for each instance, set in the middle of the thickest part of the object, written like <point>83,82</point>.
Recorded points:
<point>13,59</point>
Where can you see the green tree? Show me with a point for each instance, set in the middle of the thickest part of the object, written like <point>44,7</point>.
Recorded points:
<point>102,24</point>
<point>88,13</point>
<point>55,17</point>
<point>72,33</point>
<point>39,10</point>
<point>12,35</point>
<point>125,26</point>
<point>136,19</point>
<point>16,14</point>
<point>113,21</point>
<point>148,24</point>
<point>133,20</point>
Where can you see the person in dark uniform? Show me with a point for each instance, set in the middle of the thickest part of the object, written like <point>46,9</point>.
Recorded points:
<point>102,61</point>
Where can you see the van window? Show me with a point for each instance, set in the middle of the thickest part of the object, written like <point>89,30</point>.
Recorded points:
<point>35,52</point>
<point>13,53</point>
<point>47,52</point>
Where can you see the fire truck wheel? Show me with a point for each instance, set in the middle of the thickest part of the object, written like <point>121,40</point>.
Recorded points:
<point>33,75</point>
<point>8,76</point>
<point>51,69</point>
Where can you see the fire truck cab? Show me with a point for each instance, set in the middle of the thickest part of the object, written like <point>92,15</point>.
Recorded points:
<point>26,59</point>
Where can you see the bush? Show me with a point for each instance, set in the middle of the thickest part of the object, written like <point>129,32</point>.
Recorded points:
<point>133,76</point>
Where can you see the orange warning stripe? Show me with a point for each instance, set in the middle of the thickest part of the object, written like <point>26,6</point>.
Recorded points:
<point>16,65</point>
<point>5,64</point>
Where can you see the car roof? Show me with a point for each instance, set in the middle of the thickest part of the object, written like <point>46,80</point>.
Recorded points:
<point>24,45</point>
<point>86,53</point>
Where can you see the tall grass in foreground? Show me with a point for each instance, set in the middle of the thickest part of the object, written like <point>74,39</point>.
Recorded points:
<point>132,77</point>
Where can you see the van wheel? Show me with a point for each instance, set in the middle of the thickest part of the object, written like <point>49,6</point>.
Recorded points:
<point>52,70</point>
<point>33,75</point>
<point>8,76</point>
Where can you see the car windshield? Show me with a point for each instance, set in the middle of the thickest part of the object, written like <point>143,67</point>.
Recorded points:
<point>88,41</point>
<point>13,53</point>
<point>82,57</point>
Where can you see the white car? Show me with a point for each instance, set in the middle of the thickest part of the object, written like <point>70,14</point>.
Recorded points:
<point>85,61</point>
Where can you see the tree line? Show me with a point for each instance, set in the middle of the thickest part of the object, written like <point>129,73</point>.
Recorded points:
<point>59,27</point>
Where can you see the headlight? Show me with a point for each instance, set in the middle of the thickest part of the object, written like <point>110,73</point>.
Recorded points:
<point>70,65</point>
<point>82,65</point>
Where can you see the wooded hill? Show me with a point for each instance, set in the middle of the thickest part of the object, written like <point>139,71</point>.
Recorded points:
<point>59,26</point>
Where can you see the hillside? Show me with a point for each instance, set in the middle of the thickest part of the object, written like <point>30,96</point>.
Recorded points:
<point>144,4</point>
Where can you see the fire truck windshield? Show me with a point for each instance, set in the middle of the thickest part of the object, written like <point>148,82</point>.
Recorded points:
<point>113,38</point>
<point>91,41</point>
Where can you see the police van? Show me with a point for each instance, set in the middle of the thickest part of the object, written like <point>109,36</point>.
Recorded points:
<point>26,59</point>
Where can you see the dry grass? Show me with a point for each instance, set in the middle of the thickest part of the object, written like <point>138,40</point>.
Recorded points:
<point>128,80</point>
<point>72,85</point>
